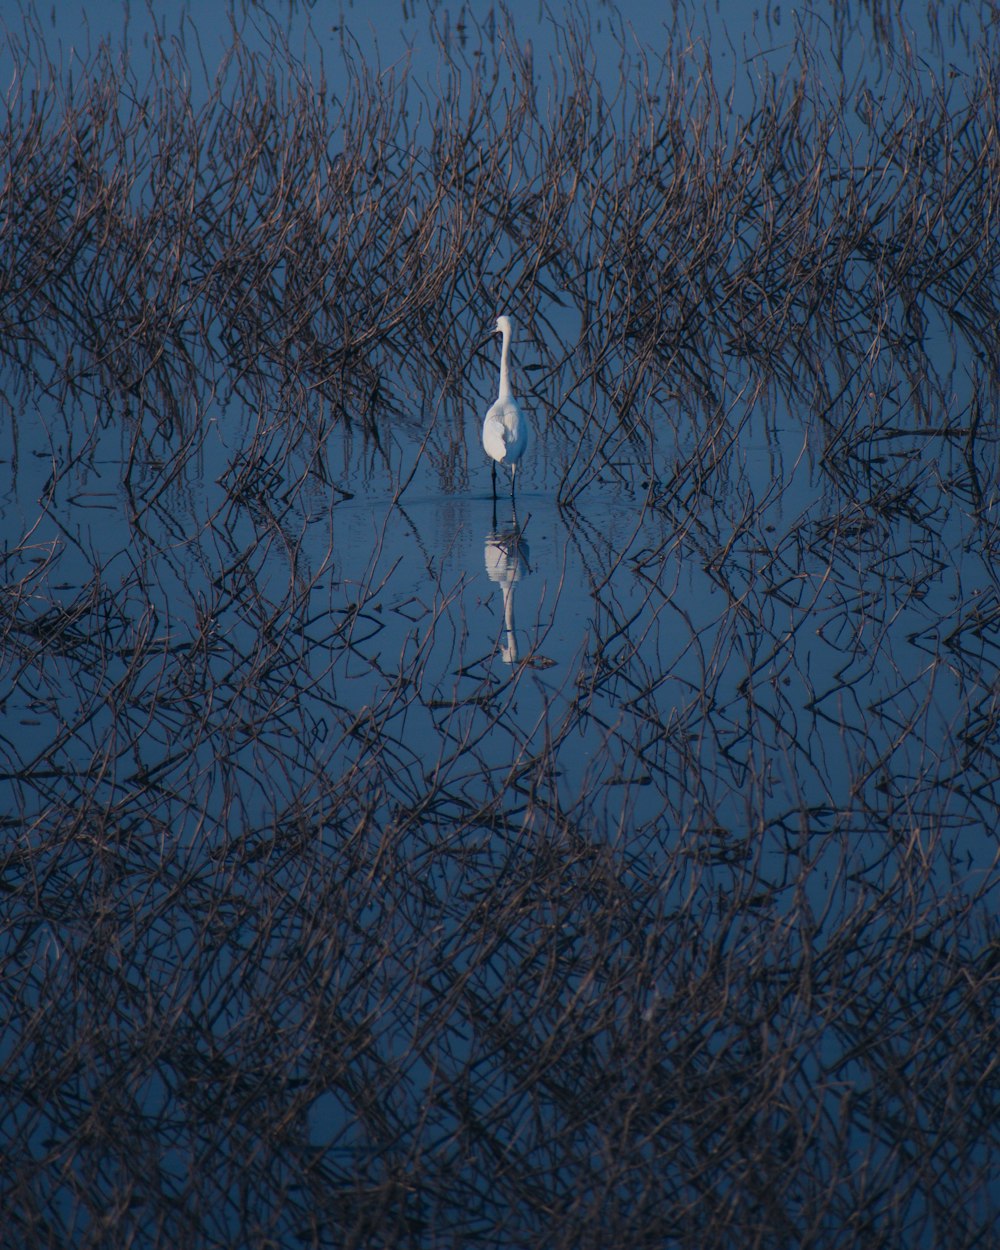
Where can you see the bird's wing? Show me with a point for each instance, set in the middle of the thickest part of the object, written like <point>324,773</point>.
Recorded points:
<point>494,435</point>
<point>504,429</point>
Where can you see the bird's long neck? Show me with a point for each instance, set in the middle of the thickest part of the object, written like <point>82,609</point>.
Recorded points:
<point>505,367</point>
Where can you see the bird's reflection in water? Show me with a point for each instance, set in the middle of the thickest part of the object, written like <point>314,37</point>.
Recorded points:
<point>506,556</point>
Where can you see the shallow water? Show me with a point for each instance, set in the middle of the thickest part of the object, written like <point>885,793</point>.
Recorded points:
<point>389,865</point>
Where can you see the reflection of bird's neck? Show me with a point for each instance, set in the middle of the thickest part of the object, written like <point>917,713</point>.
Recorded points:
<point>510,650</point>
<point>505,365</point>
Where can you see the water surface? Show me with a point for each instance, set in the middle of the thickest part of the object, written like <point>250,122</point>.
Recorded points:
<point>386,864</point>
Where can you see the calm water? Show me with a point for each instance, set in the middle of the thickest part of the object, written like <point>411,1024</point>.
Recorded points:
<point>388,865</point>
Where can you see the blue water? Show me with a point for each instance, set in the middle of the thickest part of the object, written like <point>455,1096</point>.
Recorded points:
<point>586,866</point>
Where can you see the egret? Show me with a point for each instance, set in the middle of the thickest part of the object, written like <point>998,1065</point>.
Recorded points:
<point>505,430</point>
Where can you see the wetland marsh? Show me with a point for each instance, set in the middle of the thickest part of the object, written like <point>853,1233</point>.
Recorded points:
<point>385,867</point>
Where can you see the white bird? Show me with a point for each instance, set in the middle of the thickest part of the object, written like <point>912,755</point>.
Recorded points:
<point>505,430</point>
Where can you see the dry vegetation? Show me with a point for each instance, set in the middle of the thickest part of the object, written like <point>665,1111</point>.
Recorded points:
<point>345,235</point>
<point>285,965</point>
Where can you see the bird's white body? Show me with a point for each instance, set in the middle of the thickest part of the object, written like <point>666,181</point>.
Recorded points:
<point>505,430</point>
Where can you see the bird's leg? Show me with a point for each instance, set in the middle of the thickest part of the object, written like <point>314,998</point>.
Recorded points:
<point>494,481</point>
<point>513,470</point>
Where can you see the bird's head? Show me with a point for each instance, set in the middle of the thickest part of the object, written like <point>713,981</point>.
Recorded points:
<point>503,325</point>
